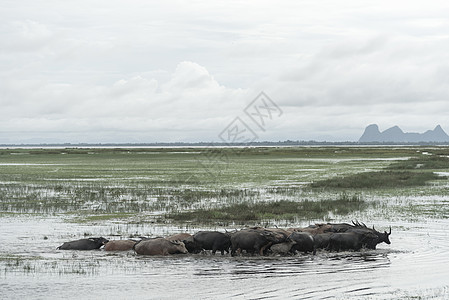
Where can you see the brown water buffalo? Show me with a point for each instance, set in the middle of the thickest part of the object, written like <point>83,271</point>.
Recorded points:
<point>282,248</point>
<point>179,237</point>
<point>159,246</point>
<point>317,228</point>
<point>213,240</point>
<point>277,235</point>
<point>84,244</point>
<point>191,245</point>
<point>119,245</point>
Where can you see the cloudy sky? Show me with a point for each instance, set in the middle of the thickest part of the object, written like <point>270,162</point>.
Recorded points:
<point>148,71</point>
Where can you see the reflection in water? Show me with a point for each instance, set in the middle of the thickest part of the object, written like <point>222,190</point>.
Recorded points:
<point>416,260</point>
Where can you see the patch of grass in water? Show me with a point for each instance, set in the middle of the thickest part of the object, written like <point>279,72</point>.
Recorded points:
<point>424,162</point>
<point>280,210</point>
<point>102,217</point>
<point>381,179</point>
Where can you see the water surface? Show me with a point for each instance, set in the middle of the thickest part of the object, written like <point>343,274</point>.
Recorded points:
<point>415,264</point>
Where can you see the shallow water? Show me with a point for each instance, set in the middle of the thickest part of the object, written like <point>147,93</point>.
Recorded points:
<point>415,264</point>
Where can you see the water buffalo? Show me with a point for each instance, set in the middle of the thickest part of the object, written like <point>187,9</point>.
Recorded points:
<point>119,245</point>
<point>381,237</point>
<point>84,244</point>
<point>304,242</point>
<point>276,235</point>
<point>159,246</point>
<point>191,245</point>
<point>339,227</point>
<point>317,228</point>
<point>213,240</point>
<point>179,237</point>
<point>352,240</point>
<point>293,229</point>
<point>282,248</point>
<point>321,240</point>
<point>251,241</point>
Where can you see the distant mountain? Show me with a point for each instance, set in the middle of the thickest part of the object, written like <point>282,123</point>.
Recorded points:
<point>396,135</point>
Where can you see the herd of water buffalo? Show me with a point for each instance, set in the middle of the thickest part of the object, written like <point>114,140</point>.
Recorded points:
<point>253,240</point>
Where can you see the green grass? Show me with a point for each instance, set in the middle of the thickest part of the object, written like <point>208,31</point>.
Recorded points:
<point>93,185</point>
<point>416,171</point>
<point>280,210</point>
<point>380,179</point>
<point>424,162</point>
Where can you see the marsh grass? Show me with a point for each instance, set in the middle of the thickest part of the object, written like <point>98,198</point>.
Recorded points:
<point>98,185</point>
<point>381,179</point>
<point>415,171</point>
<point>280,210</point>
<point>39,265</point>
<point>423,162</point>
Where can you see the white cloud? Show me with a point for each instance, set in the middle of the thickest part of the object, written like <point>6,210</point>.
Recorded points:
<point>191,100</point>
<point>173,70</point>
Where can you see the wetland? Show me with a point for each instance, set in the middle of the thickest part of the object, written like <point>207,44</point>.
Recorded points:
<point>52,195</point>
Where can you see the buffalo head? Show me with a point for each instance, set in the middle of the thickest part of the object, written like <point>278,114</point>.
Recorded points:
<point>383,237</point>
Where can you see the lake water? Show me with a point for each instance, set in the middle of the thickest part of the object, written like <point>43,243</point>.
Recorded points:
<point>415,264</point>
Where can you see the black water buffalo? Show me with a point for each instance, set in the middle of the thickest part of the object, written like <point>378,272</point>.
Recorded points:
<point>159,246</point>
<point>381,237</point>
<point>84,244</point>
<point>213,240</point>
<point>321,240</point>
<point>356,226</point>
<point>304,242</point>
<point>191,245</point>
<point>119,245</point>
<point>251,241</point>
<point>352,240</point>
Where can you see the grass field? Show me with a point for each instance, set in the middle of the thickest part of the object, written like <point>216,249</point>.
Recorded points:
<point>212,184</point>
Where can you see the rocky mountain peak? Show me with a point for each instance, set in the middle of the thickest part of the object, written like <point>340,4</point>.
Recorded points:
<point>396,135</point>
